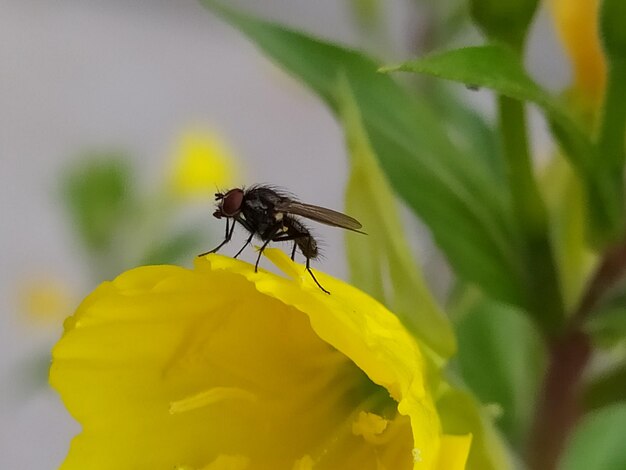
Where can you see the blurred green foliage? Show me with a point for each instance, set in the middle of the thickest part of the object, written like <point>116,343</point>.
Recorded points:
<point>598,443</point>
<point>98,193</point>
<point>501,356</point>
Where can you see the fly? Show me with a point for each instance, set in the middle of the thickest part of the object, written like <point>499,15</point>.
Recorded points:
<point>272,216</point>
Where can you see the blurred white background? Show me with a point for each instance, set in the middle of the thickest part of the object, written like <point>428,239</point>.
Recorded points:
<point>82,74</point>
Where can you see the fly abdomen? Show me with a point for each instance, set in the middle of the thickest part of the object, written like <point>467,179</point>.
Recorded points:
<point>308,246</point>
<point>302,237</point>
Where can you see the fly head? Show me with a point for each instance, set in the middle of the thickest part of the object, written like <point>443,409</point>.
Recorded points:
<point>229,204</point>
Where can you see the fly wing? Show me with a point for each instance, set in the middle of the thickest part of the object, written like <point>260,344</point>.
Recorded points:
<point>320,214</point>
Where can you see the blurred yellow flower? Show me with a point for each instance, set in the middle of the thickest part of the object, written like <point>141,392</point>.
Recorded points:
<point>45,299</point>
<point>202,163</point>
<point>220,367</point>
<point>577,25</point>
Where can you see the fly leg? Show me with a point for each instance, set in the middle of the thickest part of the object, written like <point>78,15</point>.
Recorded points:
<point>308,268</point>
<point>245,245</point>
<point>269,237</point>
<point>227,236</point>
<point>258,258</point>
<point>284,238</point>
<point>247,226</point>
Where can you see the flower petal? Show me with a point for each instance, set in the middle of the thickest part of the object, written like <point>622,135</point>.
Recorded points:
<point>364,331</point>
<point>222,367</point>
<point>577,24</point>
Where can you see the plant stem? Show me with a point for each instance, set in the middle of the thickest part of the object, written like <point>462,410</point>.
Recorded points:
<point>559,405</point>
<point>544,293</point>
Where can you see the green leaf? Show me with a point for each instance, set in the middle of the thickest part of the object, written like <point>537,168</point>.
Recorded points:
<point>608,388</point>
<point>385,250</point>
<point>174,249</point>
<point>501,358</point>
<point>460,414</point>
<point>613,35</point>
<point>455,195</point>
<point>608,327</point>
<point>567,206</point>
<point>610,138</point>
<point>598,442</point>
<point>500,69</point>
<point>96,191</point>
<point>468,129</point>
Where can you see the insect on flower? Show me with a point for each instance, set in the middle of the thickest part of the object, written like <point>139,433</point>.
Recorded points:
<point>271,215</point>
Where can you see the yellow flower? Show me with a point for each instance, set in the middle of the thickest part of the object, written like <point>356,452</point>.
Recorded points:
<point>202,163</point>
<point>45,299</point>
<point>577,25</point>
<point>220,367</point>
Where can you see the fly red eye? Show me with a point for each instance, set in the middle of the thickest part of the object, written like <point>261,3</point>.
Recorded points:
<point>231,204</point>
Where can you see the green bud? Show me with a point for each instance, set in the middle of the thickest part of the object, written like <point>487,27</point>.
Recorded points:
<point>504,20</point>
<point>613,28</point>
